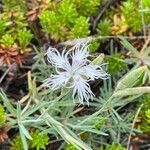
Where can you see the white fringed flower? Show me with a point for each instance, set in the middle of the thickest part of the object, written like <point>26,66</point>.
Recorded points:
<point>74,73</point>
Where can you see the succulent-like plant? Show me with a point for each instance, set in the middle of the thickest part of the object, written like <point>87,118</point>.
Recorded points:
<point>68,19</point>
<point>51,23</point>
<point>104,27</point>
<point>14,5</point>
<point>24,37</point>
<point>67,12</point>
<point>144,116</point>
<point>2,115</point>
<point>2,27</point>
<point>86,7</point>
<point>130,11</point>
<point>113,146</point>
<point>39,140</point>
<point>81,27</point>
<point>70,147</point>
<point>100,123</point>
<point>16,144</point>
<point>115,63</point>
<point>147,114</point>
<point>145,4</point>
<point>7,40</point>
<point>15,37</point>
<point>120,25</point>
<point>94,45</point>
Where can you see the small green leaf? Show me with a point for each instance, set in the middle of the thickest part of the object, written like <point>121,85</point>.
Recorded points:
<point>24,131</point>
<point>23,138</point>
<point>7,103</point>
<point>131,79</point>
<point>131,91</point>
<point>129,47</point>
<point>98,60</point>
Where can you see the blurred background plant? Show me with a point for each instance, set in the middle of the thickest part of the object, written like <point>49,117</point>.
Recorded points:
<point>2,116</point>
<point>39,21</point>
<point>131,16</point>
<point>69,19</point>
<point>144,116</point>
<point>15,37</point>
<point>39,141</point>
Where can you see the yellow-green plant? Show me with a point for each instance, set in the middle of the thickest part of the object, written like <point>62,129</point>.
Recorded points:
<point>39,140</point>
<point>80,28</point>
<point>115,63</point>
<point>2,115</point>
<point>16,143</point>
<point>86,7</point>
<point>104,27</point>
<point>24,37</point>
<point>70,147</point>
<point>144,124</point>
<point>130,9</point>
<point>94,45</point>
<point>113,146</point>
<point>7,40</point>
<point>68,19</point>
<point>14,31</point>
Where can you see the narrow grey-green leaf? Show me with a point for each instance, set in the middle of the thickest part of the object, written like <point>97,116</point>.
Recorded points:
<point>25,131</point>
<point>129,47</point>
<point>131,91</point>
<point>131,78</point>
<point>7,103</point>
<point>24,141</point>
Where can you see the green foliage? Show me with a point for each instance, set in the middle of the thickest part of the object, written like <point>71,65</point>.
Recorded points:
<point>104,27</point>
<point>131,12</point>
<point>51,23</point>
<point>113,146</point>
<point>145,8</point>
<point>144,125</point>
<point>70,147</point>
<point>14,5</point>
<point>94,45</point>
<point>115,63</point>
<point>13,30</point>
<point>39,140</point>
<point>147,114</point>
<point>2,27</point>
<point>86,7</point>
<point>16,144</point>
<point>145,4</point>
<point>81,28</point>
<point>42,107</point>
<point>7,40</point>
<point>100,123</point>
<point>67,12</point>
<point>68,19</point>
<point>145,102</point>
<point>24,36</point>
<point>2,115</point>
<point>131,18</point>
<point>132,15</point>
<point>14,15</point>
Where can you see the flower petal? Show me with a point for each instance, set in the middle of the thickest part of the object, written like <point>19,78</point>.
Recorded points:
<point>82,89</point>
<point>58,60</point>
<point>92,72</point>
<point>79,55</point>
<point>57,81</point>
